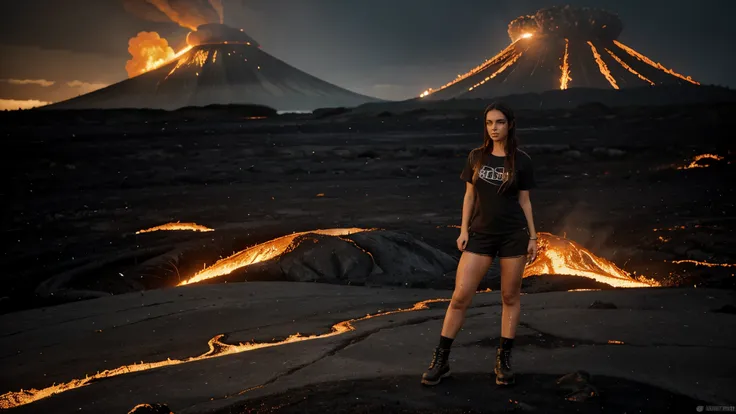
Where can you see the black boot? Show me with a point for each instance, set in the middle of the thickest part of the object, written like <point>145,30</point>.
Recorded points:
<point>504,374</point>
<point>439,367</point>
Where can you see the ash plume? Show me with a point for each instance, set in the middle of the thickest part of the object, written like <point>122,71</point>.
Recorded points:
<point>186,13</point>
<point>568,22</point>
<point>521,25</point>
<point>147,50</point>
<point>218,33</point>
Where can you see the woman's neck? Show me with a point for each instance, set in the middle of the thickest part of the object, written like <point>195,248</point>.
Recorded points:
<point>499,148</point>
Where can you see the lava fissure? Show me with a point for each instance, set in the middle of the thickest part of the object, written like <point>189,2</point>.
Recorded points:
<point>344,344</point>
<point>216,349</point>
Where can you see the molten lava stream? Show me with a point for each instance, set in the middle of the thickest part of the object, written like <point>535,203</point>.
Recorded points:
<point>602,66</point>
<point>217,348</point>
<point>559,256</point>
<point>565,67</point>
<point>694,162</point>
<point>176,226</point>
<point>501,56</point>
<point>259,253</point>
<point>650,62</point>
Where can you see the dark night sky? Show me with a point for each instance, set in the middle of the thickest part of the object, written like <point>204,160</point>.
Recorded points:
<point>392,49</point>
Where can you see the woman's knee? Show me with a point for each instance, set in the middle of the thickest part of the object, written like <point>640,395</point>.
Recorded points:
<point>509,298</point>
<point>461,300</point>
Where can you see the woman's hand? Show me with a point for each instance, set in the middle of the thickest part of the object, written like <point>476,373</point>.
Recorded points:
<point>462,241</point>
<point>531,250</point>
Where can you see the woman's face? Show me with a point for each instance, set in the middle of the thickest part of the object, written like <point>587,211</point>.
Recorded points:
<point>497,125</point>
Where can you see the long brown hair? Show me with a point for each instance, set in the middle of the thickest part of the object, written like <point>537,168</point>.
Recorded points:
<point>487,147</point>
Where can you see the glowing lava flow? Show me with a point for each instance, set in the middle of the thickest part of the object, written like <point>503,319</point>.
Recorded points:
<point>565,78</point>
<point>648,61</point>
<point>501,69</point>
<point>559,256</point>
<point>176,226</point>
<point>695,262</point>
<point>602,66</point>
<point>694,163</point>
<point>199,58</point>
<point>217,349</point>
<point>489,62</point>
<point>259,253</point>
<point>629,68</point>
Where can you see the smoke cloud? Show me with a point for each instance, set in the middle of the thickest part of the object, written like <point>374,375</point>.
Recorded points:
<point>521,25</point>
<point>40,82</point>
<point>85,87</point>
<point>569,22</point>
<point>186,13</point>
<point>218,33</point>
<point>148,51</point>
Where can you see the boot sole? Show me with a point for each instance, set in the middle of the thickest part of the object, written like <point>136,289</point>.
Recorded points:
<point>426,382</point>
<point>503,382</point>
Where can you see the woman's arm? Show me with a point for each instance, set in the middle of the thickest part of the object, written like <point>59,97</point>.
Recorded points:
<point>468,203</point>
<point>526,205</point>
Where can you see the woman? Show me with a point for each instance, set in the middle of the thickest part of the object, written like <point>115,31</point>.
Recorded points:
<point>496,222</point>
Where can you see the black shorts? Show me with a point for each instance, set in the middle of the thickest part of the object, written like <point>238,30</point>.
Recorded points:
<point>508,245</point>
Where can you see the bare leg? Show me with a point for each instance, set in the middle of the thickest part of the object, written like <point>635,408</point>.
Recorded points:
<point>470,271</point>
<point>512,269</point>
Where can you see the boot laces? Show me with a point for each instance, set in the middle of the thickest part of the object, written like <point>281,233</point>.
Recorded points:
<point>506,358</point>
<point>436,357</point>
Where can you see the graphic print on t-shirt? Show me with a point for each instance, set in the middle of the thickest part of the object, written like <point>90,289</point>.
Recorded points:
<point>491,175</point>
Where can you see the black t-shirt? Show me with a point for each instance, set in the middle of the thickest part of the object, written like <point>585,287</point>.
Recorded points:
<point>495,213</point>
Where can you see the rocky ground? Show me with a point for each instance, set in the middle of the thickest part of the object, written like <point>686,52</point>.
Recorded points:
<point>78,188</point>
<point>646,350</point>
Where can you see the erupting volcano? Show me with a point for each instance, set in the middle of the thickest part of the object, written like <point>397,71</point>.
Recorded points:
<point>560,48</point>
<point>221,65</point>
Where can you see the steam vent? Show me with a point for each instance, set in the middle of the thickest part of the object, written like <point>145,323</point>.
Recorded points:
<point>560,48</point>
<point>222,65</point>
